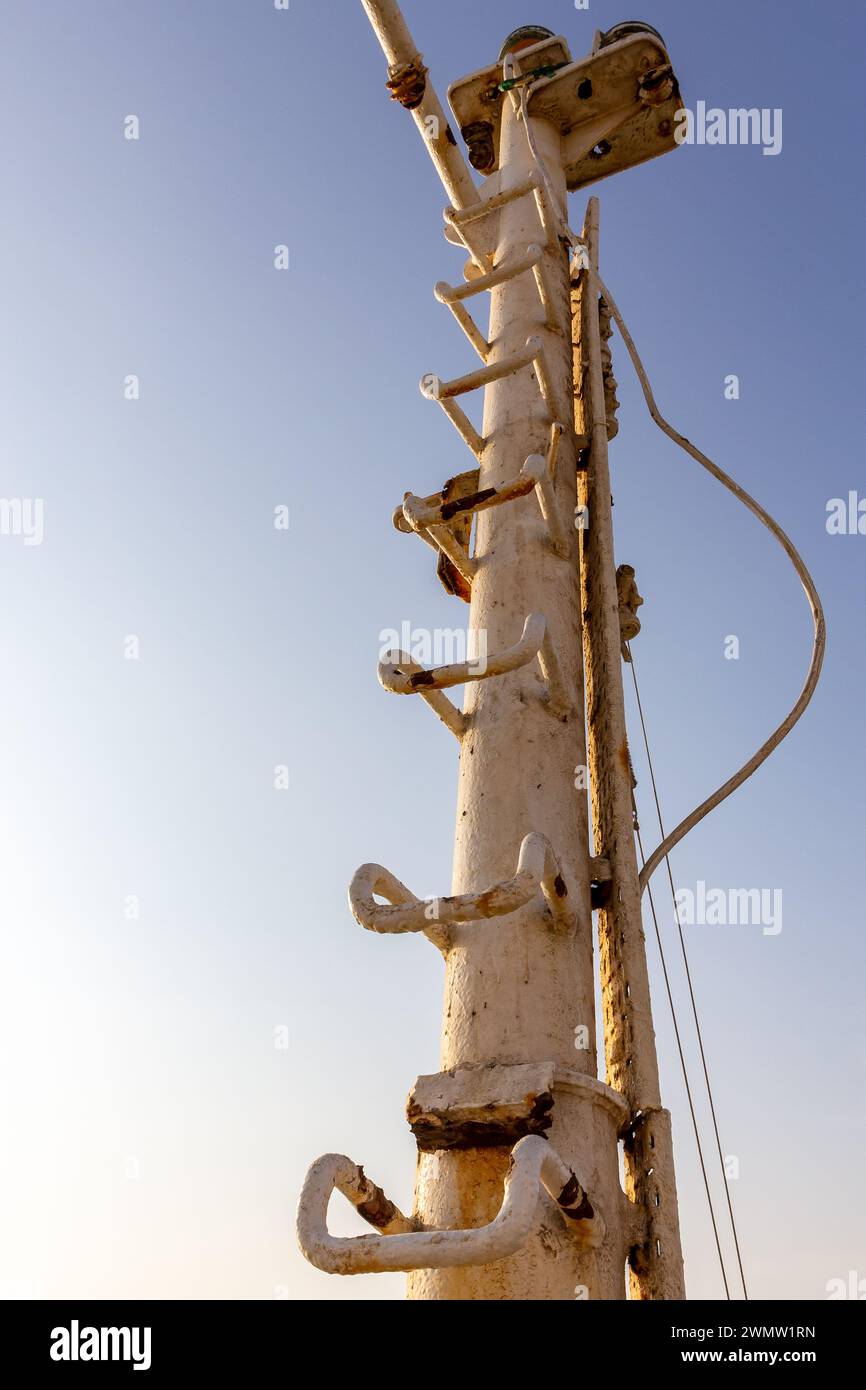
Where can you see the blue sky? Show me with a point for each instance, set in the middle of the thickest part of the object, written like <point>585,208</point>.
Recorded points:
<point>159,1137</point>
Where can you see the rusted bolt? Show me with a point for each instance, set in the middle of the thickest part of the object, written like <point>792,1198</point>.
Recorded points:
<point>407,83</point>
<point>479,139</point>
<point>657,86</point>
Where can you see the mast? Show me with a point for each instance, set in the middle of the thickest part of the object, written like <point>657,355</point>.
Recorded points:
<point>518,1092</point>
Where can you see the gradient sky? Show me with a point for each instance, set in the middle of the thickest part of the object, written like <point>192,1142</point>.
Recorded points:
<point>156,1138</point>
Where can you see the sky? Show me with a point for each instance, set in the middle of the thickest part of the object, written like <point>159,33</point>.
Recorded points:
<point>189,1014</point>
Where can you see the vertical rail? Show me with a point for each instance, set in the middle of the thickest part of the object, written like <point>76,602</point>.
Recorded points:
<point>656,1269</point>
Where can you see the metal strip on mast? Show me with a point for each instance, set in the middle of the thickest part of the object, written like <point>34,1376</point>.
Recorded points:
<point>517,1111</point>
<point>632,1067</point>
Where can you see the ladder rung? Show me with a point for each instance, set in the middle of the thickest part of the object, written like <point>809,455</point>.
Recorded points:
<point>437,390</point>
<point>447,294</point>
<point>537,868</point>
<point>395,676</point>
<point>434,389</point>
<point>453,295</point>
<point>405,667</point>
<point>429,512</point>
<point>429,517</point>
<point>469,483</point>
<point>460,218</point>
<point>404,676</point>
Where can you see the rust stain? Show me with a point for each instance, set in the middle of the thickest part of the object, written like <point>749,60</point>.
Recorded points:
<point>452,580</point>
<point>466,504</point>
<point>574,1201</point>
<point>378,1210</point>
<point>483,1127</point>
<point>408,83</point>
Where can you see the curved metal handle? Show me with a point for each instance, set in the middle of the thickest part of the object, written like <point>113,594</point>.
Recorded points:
<point>405,677</point>
<point>453,718</point>
<point>508,270</point>
<point>534,1164</point>
<point>537,867</point>
<point>394,676</point>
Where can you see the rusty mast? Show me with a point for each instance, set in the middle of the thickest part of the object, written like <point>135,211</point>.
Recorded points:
<point>519,1192</point>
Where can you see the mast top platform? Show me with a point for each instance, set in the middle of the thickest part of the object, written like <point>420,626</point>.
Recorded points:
<point>615,108</point>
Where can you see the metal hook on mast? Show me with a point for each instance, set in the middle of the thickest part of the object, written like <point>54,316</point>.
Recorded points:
<point>534,1165</point>
<point>537,868</point>
<point>402,676</point>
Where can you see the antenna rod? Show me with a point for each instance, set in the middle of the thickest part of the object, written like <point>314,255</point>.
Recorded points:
<point>410,85</point>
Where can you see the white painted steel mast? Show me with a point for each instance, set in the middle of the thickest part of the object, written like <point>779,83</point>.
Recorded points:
<point>518,1192</point>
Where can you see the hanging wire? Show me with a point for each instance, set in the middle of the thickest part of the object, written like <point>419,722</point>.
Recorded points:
<point>819,639</point>
<point>819,627</point>
<point>698,1030</point>
<point>683,1065</point>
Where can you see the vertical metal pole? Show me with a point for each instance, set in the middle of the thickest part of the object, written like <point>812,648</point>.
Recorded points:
<point>517,991</point>
<point>656,1266</point>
